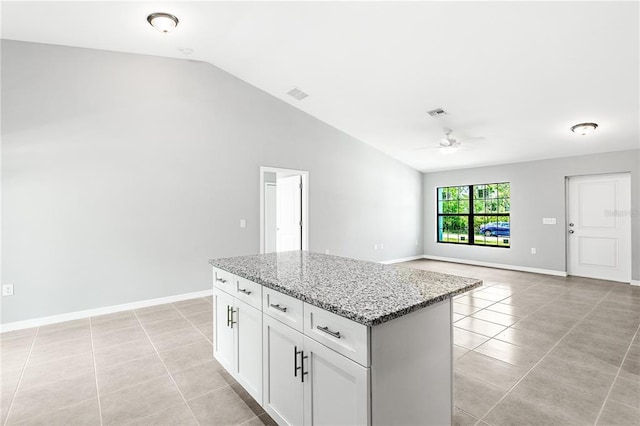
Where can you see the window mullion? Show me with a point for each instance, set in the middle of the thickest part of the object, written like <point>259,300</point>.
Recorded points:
<point>472,239</point>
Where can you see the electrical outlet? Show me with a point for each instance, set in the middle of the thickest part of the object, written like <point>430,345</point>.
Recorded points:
<point>7,289</point>
<point>375,247</point>
<point>533,250</point>
<point>416,242</point>
<point>326,251</point>
<point>381,246</point>
<point>243,223</point>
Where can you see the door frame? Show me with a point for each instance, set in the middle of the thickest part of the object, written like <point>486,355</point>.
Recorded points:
<point>567,211</point>
<point>305,203</point>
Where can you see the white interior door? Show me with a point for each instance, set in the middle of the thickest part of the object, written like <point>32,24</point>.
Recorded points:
<point>599,227</point>
<point>289,213</point>
<point>270,217</point>
<point>295,227</point>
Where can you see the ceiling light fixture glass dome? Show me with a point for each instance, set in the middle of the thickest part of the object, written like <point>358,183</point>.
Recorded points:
<point>584,128</point>
<point>163,22</point>
<point>448,150</point>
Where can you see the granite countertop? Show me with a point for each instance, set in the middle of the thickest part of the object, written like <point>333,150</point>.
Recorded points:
<point>366,292</point>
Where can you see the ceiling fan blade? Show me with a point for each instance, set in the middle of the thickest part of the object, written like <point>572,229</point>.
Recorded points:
<point>476,139</point>
<point>426,147</point>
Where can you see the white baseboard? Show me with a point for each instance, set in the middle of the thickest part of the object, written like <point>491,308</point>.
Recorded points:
<point>498,265</point>
<point>402,259</point>
<point>36,322</point>
<point>635,282</point>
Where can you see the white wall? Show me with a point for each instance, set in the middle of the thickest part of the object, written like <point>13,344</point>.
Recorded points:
<point>537,191</point>
<point>123,174</point>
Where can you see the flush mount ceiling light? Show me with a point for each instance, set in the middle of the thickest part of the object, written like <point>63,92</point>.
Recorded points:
<point>584,128</point>
<point>163,22</point>
<point>448,150</point>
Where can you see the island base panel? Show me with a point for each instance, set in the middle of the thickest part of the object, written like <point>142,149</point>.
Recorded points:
<point>411,368</point>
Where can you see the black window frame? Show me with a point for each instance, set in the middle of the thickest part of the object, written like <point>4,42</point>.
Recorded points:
<point>470,215</point>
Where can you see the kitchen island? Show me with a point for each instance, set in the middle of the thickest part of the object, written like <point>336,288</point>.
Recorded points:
<point>319,339</point>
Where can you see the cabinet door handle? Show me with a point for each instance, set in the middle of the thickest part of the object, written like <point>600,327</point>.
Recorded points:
<point>245,291</point>
<point>304,373</point>
<point>278,307</point>
<point>335,334</point>
<point>222,280</point>
<point>231,322</point>
<point>228,316</point>
<point>296,367</point>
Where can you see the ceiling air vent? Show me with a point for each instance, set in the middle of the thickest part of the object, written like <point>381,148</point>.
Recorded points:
<point>297,93</point>
<point>438,112</point>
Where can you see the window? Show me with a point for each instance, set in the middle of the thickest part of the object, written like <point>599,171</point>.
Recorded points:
<point>475,214</point>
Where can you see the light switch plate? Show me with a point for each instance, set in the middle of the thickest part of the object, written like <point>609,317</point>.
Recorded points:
<point>548,220</point>
<point>243,223</point>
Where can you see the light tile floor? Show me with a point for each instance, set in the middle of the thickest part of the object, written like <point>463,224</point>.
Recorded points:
<point>529,349</point>
<point>535,349</point>
<point>151,366</point>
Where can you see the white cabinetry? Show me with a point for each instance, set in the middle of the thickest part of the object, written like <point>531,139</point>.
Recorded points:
<point>308,366</point>
<point>237,342</point>
<point>283,387</point>
<point>222,331</point>
<point>307,383</point>
<point>247,367</point>
<point>335,388</point>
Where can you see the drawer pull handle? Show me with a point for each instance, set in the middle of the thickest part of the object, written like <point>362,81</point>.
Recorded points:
<point>222,280</point>
<point>278,307</point>
<point>335,334</point>
<point>245,291</point>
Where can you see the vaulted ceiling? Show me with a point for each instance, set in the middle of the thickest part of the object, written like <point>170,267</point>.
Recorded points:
<point>517,73</point>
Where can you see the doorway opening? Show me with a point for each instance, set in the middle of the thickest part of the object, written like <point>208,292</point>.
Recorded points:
<point>599,226</point>
<point>284,209</point>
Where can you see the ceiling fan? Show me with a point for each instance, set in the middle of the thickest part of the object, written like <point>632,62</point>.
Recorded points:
<point>449,145</point>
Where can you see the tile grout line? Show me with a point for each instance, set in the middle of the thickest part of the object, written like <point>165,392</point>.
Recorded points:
<point>24,367</point>
<point>502,325</point>
<point>545,354</point>
<point>189,321</point>
<point>192,324</point>
<point>606,398</point>
<point>165,367</point>
<point>467,413</point>
<point>507,327</point>
<point>478,418</point>
<point>164,408</point>
<point>524,316</point>
<point>95,370</point>
<point>247,421</point>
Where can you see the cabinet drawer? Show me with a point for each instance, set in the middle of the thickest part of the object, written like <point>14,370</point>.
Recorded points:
<point>338,333</point>
<point>285,309</point>
<point>248,291</point>
<point>224,281</point>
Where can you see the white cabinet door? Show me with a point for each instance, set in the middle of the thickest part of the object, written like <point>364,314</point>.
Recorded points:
<point>335,388</point>
<point>248,348</point>
<point>283,387</point>
<point>222,331</point>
